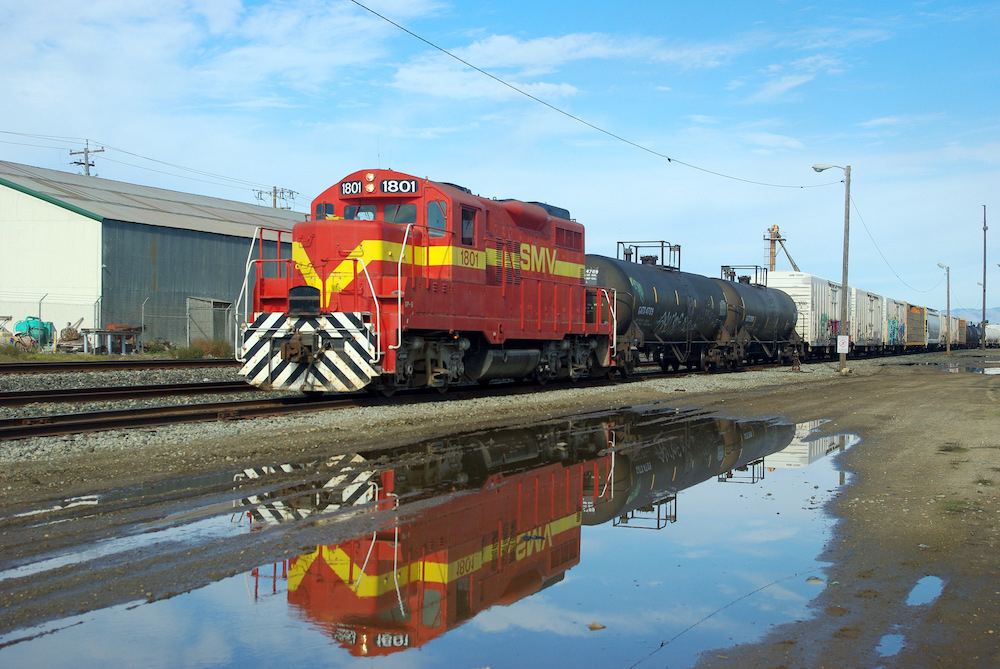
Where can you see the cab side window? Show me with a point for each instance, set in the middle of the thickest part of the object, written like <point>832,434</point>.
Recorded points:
<point>468,227</point>
<point>436,219</point>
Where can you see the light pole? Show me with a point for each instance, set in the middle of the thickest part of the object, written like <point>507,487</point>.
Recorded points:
<point>842,328</point>
<point>947,283</point>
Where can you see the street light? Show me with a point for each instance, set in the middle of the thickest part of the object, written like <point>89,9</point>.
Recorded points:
<point>843,283</point>
<point>947,283</point>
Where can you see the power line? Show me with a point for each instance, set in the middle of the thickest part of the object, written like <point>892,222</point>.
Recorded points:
<point>577,118</point>
<point>884,259</point>
<point>213,179</point>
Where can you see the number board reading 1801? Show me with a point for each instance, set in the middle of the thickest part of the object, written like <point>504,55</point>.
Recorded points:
<point>393,186</point>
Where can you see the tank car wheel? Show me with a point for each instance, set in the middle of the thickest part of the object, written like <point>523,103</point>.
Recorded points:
<point>704,362</point>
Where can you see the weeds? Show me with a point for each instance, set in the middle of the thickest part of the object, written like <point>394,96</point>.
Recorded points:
<point>200,348</point>
<point>952,447</point>
<point>955,506</point>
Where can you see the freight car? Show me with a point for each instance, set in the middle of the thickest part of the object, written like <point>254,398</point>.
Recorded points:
<point>992,335</point>
<point>404,282</point>
<point>678,318</point>
<point>876,325</point>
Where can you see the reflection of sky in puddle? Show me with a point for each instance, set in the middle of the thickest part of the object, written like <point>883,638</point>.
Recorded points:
<point>956,368</point>
<point>735,562</point>
<point>890,644</point>
<point>925,591</point>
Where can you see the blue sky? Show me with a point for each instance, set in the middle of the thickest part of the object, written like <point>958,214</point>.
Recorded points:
<point>297,94</point>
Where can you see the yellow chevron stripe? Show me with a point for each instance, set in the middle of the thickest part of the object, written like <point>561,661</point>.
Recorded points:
<point>373,250</point>
<point>428,571</point>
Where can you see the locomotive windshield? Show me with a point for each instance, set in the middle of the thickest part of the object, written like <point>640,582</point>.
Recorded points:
<point>400,213</point>
<point>359,212</point>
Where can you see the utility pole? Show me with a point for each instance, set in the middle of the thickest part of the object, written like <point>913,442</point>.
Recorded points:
<point>983,338</point>
<point>947,288</point>
<point>277,193</point>
<point>86,157</point>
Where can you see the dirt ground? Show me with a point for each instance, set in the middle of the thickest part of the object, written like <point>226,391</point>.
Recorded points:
<point>923,500</point>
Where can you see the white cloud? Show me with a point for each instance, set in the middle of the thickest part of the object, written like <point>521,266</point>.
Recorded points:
<point>773,90</point>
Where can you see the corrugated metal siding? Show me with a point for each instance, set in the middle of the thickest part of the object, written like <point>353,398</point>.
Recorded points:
<point>895,322</point>
<point>866,318</point>
<point>163,267</point>
<point>817,301</point>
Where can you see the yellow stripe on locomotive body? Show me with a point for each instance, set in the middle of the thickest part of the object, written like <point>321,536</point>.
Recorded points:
<point>519,547</point>
<point>537,259</point>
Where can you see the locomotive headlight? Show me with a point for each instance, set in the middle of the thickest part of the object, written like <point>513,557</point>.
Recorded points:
<point>369,188</point>
<point>370,177</point>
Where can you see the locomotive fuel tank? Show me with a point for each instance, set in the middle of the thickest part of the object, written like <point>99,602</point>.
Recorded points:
<point>666,305</point>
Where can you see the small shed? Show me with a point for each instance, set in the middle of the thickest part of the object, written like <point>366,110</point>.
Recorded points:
<point>115,254</point>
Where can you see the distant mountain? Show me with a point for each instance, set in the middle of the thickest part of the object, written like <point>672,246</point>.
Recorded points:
<point>975,315</point>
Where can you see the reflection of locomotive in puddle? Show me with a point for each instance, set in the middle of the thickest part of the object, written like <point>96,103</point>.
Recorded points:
<point>500,516</point>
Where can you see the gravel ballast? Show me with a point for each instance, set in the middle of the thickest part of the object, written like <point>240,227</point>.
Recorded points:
<point>458,414</point>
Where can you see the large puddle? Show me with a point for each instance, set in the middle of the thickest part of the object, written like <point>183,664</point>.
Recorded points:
<point>631,538</point>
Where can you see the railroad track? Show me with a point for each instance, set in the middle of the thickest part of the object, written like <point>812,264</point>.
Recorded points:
<point>97,421</point>
<point>18,398</point>
<point>51,425</point>
<point>110,365</point>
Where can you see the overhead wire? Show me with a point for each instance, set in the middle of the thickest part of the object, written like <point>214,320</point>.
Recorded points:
<point>857,213</point>
<point>574,117</point>
<point>216,179</point>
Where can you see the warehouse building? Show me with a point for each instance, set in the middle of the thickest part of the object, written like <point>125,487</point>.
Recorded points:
<point>169,264</point>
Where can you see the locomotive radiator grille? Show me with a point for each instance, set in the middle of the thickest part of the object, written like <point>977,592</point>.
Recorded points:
<point>334,352</point>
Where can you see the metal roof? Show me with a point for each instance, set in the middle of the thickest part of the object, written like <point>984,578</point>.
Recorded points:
<point>101,198</point>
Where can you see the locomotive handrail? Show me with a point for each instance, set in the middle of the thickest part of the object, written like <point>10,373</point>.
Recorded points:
<point>614,316</point>
<point>378,312</point>
<point>399,291</point>
<point>244,293</point>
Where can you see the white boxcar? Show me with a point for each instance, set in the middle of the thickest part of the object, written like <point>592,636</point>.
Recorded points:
<point>950,330</point>
<point>894,327</point>
<point>818,303</point>
<point>935,331</point>
<point>866,321</point>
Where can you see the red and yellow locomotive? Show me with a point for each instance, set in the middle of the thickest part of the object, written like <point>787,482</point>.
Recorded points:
<point>406,282</point>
